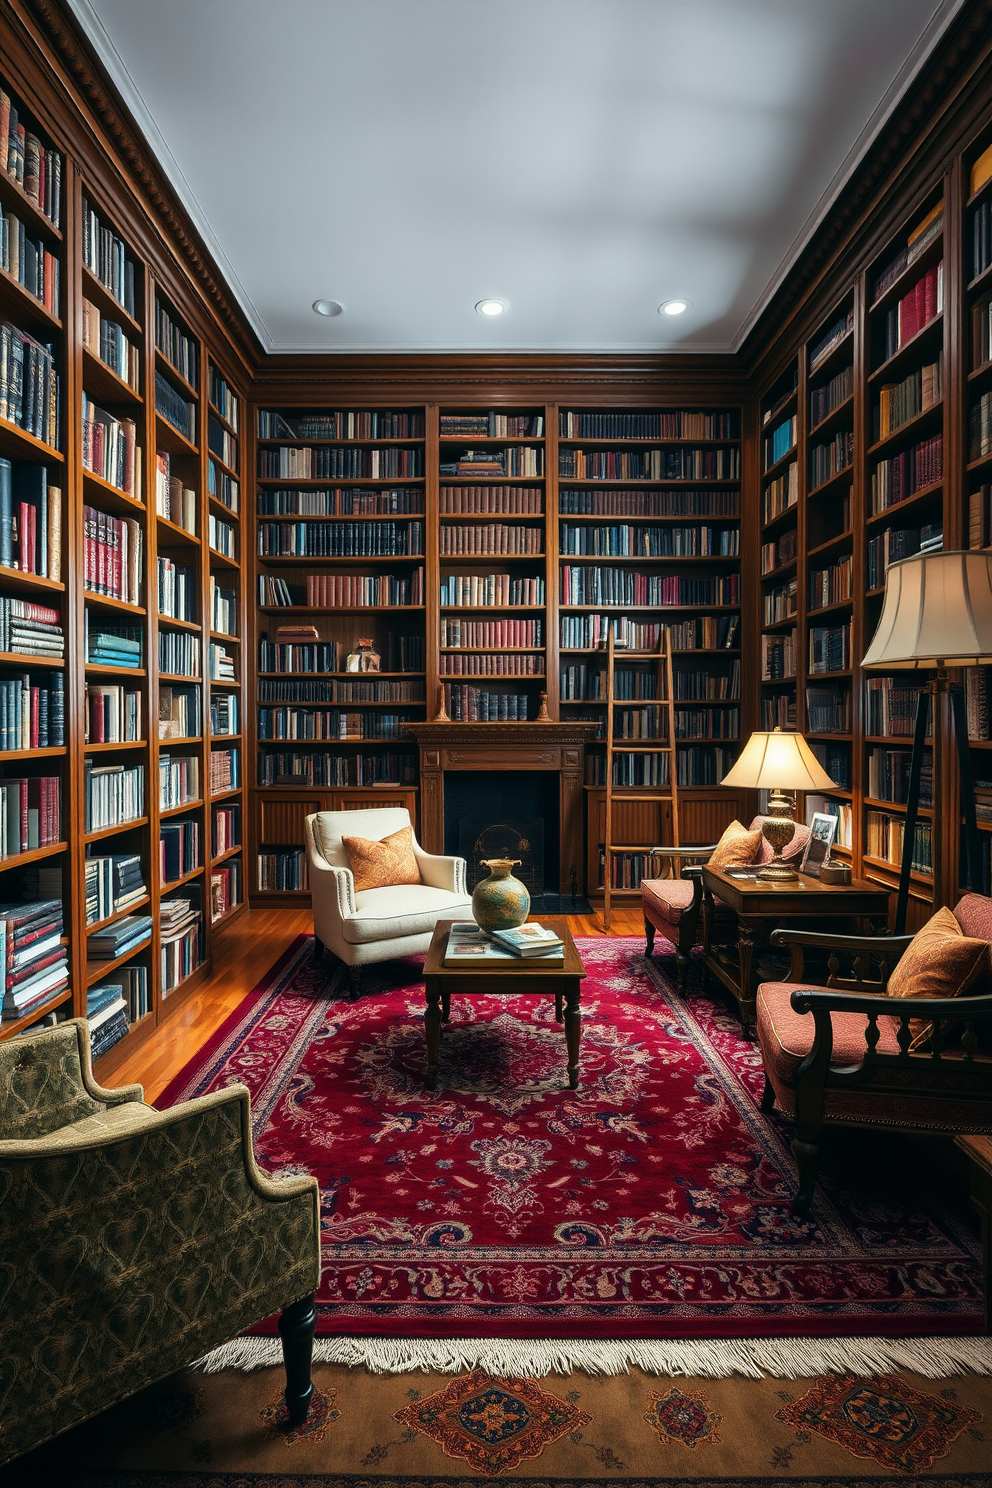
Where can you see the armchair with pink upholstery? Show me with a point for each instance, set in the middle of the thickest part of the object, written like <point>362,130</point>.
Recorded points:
<point>673,906</point>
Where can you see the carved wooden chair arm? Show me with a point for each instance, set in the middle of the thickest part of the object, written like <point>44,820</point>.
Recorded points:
<point>934,1010</point>
<point>684,852</point>
<point>886,948</point>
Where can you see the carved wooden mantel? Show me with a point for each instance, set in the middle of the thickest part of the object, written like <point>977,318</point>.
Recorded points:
<point>496,747</point>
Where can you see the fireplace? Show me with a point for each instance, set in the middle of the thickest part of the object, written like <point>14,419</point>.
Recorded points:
<point>504,815</point>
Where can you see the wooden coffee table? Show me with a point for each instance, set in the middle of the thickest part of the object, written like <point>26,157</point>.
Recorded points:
<point>563,981</point>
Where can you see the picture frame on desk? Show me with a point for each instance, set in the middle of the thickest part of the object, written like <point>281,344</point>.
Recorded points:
<point>822,831</point>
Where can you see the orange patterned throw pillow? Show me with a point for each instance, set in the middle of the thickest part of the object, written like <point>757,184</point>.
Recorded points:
<point>941,961</point>
<point>380,865</point>
<point>736,848</point>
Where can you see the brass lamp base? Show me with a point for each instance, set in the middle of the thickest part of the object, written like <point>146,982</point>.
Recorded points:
<point>778,830</point>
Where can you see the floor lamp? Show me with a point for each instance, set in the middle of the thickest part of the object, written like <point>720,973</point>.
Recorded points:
<point>936,613</point>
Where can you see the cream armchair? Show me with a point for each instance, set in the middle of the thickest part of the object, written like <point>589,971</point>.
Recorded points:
<point>376,924</point>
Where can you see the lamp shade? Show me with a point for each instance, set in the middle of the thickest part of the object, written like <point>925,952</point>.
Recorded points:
<point>778,761</point>
<point>937,612</point>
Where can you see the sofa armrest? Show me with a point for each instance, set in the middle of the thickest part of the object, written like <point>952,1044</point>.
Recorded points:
<point>440,872</point>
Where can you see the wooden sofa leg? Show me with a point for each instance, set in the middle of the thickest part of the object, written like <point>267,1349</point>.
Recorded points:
<point>807,1156</point>
<point>648,938</point>
<point>354,983</point>
<point>318,951</point>
<point>296,1329</point>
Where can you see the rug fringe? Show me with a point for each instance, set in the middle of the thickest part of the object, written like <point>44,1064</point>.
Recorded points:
<point>715,1358</point>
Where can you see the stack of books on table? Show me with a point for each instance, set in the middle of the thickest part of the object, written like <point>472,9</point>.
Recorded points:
<point>528,945</point>
<point>33,961</point>
<point>107,1015</point>
<point>119,938</point>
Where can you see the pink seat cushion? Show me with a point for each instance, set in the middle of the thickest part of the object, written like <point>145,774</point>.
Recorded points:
<point>794,849</point>
<point>668,899</point>
<point>786,1037</point>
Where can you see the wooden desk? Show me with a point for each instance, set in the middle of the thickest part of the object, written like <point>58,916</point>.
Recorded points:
<point>563,981</point>
<point>762,907</point>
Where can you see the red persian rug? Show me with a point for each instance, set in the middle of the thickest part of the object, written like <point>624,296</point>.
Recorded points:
<point>650,1203</point>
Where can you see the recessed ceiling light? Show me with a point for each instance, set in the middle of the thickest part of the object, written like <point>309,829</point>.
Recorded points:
<point>327,307</point>
<point>673,307</point>
<point>490,307</point>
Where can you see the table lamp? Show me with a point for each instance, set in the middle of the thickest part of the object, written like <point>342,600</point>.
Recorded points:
<point>778,762</point>
<point>936,613</point>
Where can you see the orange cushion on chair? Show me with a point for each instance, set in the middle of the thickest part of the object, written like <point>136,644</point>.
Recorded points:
<point>380,865</point>
<point>941,961</point>
<point>736,848</point>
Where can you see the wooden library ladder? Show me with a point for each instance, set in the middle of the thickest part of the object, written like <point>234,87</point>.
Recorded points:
<point>665,704</point>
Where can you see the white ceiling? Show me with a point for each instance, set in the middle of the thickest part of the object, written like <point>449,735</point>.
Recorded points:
<point>582,159</point>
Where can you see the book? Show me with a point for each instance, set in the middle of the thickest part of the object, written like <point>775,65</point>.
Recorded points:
<point>467,945</point>
<point>528,939</point>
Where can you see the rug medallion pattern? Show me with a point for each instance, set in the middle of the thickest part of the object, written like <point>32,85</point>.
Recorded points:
<point>653,1201</point>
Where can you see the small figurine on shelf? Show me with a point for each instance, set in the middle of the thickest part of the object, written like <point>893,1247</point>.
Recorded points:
<point>543,715</point>
<point>365,658</point>
<point>441,716</point>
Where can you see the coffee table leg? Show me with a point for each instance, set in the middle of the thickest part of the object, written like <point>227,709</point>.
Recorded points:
<point>573,1026</point>
<point>559,1006</point>
<point>432,1029</point>
<point>446,1006</point>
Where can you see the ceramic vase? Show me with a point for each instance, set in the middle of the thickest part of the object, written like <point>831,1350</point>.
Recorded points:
<point>500,902</point>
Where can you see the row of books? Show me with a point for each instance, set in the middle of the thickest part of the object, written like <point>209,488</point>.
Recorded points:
<point>372,690</point>
<point>780,551</point>
<point>912,312</point>
<point>359,591</point>
<point>495,538</point>
<point>113,794</point>
<point>896,543</point>
<point>487,591</point>
<point>670,423</point>
<point>29,629</point>
<point>178,411</point>
<point>707,723</point>
<point>888,776</point>
<point>831,457</point>
<point>130,984</point>
<point>498,634</point>
<point>32,712</point>
<point>225,770</point>
<point>780,441</point>
<point>629,867</point>
<point>223,712</point>
<point>976,692</point>
<point>832,337</point>
<point>468,704</point>
<point>335,769</point>
<point>591,632</point>
<point>223,486</point>
<point>225,889</point>
<point>885,839</point>
<point>707,633</point>
<point>226,829</point>
<point>781,395</point>
<point>108,1017</point>
<point>223,608</point>
<point>980,428</point>
<point>34,964</point>
<point>492,425</point>
<point>35,166</point>
<point>176,345</point>
<point>780,602</point>
<point>111,714</point>
<point>780,494</point>
<point>276,724</point>
<point>981,237</point>
<point>902,475</point>
<point>178,780</point>
<point>926,231</point>
<point>222,666</point>
<point>497,501</point>
<point>643,768</point>
<point>29,813</point>
<point>582,681</point>
<point>174,500</point>
<point>105,256</point>
<point>890,707</point>
<point>631,723</point>
<point>841,812</point>
<point>649,542</point>
<point>29,261</point>
<point>283,870</point>
<point>30,389</point>
<point>704,685</point>
<point>830,395</point>
<point>180,940</point>
<point>179,653</point>
<point>779,711</point>
<point>113,553</point>
<point>828,710</point>
<point>898,402</point>
<point>177,590</point>
<point>107,644</point>
<point>578,503</point>
<point>327,462</point>
<point>652,465</point>
<point>310,656</point>
<point>831,585</point>
<point>778,657</point>
<point>179,849</point>
<point>224,399</point>
<point>333,539</point>
<point>829,648</point>
<point>475,664</point>
<point>279,501</point>
<point>110,449</point>
<point>375,424</point>
<point>108,341</point>
<point>222,536</point>
<point>30,520</point>
<point>221,442</point>
<point>518,461</point>
<point>836,760</point>
<point>618,586</point>
<point>112,883</point>
<point>179,714</point>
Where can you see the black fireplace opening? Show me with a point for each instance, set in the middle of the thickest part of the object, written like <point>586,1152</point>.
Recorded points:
<point>504,814</point>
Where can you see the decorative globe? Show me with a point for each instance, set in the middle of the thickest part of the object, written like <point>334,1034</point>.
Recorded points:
<point>500,902</point>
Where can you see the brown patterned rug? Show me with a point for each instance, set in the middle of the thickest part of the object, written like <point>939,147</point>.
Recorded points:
<point>565,1431</point>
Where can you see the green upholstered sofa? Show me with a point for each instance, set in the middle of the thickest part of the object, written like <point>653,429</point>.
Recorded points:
<point>132,1241</point>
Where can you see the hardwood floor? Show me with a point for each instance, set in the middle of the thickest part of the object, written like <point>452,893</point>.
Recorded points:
<point>242,955</point>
